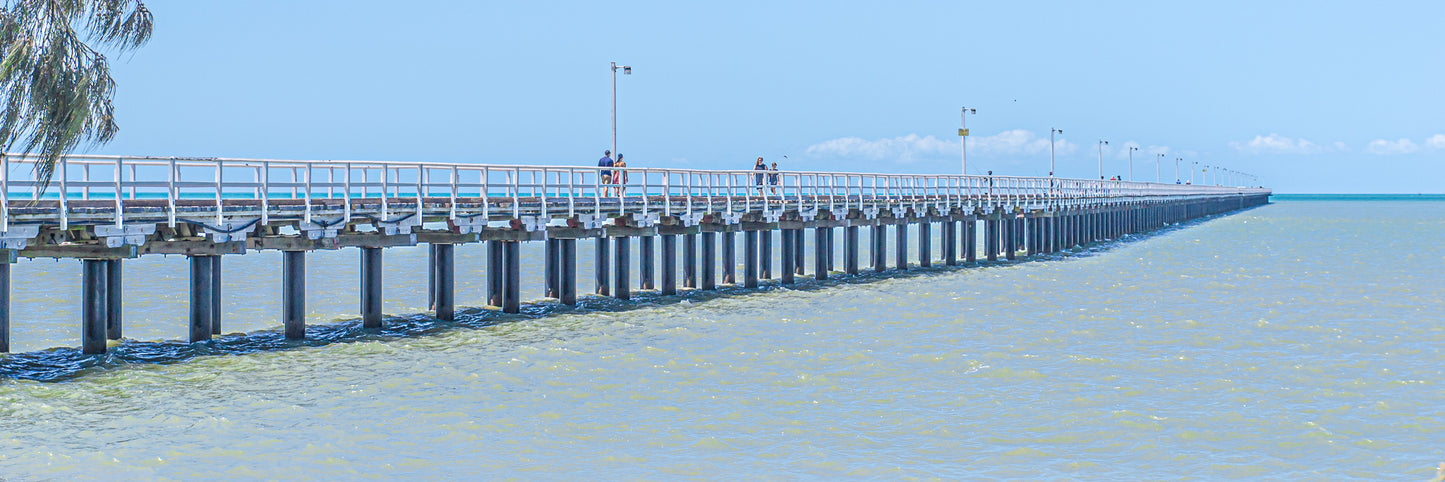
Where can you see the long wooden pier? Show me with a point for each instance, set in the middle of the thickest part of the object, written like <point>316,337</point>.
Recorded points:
<point>105,209</point>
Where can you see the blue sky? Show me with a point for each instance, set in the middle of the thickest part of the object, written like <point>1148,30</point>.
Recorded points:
<point>1311,96</point>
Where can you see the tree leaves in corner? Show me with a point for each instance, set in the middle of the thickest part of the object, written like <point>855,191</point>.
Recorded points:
<point>55,88</point>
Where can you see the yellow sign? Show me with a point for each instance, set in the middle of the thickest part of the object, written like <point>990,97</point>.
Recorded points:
<point>963,132</point>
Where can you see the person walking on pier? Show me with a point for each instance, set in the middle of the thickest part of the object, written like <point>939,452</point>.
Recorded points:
<point>605,174</point>
<point>773,178</point>
<point>619,176</point>
<point>758,178</point>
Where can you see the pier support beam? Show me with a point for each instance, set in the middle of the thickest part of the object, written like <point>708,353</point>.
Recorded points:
<point>622,276</point>
<point>512,279</point>
<point>371,287</point>
<point>709,260</point>
<point>925,244</point>
<point>830,245</point>
<point>669,264</point>
<point>902,245</point>
<point>788,257</point>
<point>93,291</point>
<point>990,239</point>
<point>750,259</point>
<point>568,290</point>
<point>201,300</point>
<point>4,304</point>
<point>729,258</point>
<point>969,236</point>
<point>293,294</point>
<point>215,295</point>
<point>1011,239</point>
<point>645,271</point>
<point>765,254</point>
<point>879,249</point>
<point>494,274</point>
<point>599,262</point>
<point>445,282</point>
<point>689,261</point>
<point>820,253</point>
<point>850,250</point>
<point>550,267</point>
<point>113,298</point>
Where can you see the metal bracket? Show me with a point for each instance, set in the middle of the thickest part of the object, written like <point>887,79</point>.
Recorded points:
<point>591,221</point>
<point>689,220</point>
<point>808,215</point>
<point>404,225</point>
<point>533,224</point>
<point>772,216</point>
<point>17,237</point>
<point>318,231</point>
<point>645,220</point>
<point>469,225</point>
<point>729,217</point>
<point>133,235</point>
<point>870,212</point>
<point>899,212</point>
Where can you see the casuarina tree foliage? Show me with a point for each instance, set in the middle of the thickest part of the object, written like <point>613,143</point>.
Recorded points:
<point>56,88</point>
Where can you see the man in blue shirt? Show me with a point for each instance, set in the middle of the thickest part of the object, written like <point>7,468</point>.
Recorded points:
<point>606,174</point>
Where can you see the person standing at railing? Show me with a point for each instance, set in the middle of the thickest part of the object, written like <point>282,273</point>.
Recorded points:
<point>758,178</point>
<point>619,176</point>
<point>774,177</point>
<point>605,174</point>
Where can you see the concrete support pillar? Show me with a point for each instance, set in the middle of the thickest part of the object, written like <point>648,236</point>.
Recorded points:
<point>901,246</point>
<point>830,245</point>
<point>568,289</point>
<point>622,278</point>
<point>798,261</point>
<point>820,253</point>
<point>750,259</point>
<point>689,260</point>
<point>669,264</point>
<point>371,287</point>
<point>788,257</point>
<point>113,297</point>
<point>293,294</point>
<point>765,254</point>
<point>494,273</point>
<point>990,239</point>
<point>949,242</point>
<point>645,272</point>
<point>879,249</point>
<point>729,258</point>
<point>201,300</point>
<point>512,281</point>
<point>600,262</point>
<point>969,233</point>
<point>215,295</point>
<point>551,261</point>
<point>709,260</point>
<point>4,303</point>
<point>925,244</point>
<point>446,282</point>
<point>850,250</point>
<point>1011,239</point>
<point>93,291</point>
<point>431,279</point>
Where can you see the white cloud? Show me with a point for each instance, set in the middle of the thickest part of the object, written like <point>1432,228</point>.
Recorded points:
<point>1385,148</point>
<point>913,147</point>
<point>1340,146</point>
<point>1277,144</point>
<point>1436,141</point>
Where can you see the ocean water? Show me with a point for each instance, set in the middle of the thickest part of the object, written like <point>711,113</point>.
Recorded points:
<point>1296,340</point>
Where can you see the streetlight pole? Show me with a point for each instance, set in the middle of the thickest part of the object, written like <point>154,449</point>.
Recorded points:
<point>1131,162</point>
<point>1176,169</point>
<point>1193,166</point>
<point>626,70</point>
<point>1158,159</point>
<point>1102,143</point>
<point>1052,131</point>
<point>963,135</point>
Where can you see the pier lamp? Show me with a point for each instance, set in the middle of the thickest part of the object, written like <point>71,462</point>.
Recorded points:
<point>1193,166</point>
<point>626,70</point>
<point>1158,159</point>
<point>1131,162</point>
<point>1176,169</point>
<point>1052,131</point>
<point>1102,143</point>
<point>963,135</point>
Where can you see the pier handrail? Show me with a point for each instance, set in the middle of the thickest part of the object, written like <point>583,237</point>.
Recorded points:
<point>174,179</point>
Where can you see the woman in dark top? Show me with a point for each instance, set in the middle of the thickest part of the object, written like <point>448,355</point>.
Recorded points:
<point>758,178</point>
<point>773,178</point>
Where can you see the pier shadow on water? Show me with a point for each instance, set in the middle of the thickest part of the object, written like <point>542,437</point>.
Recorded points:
<point>66,363</point>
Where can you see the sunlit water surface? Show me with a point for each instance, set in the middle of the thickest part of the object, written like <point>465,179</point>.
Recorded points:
<point>1300,339</point>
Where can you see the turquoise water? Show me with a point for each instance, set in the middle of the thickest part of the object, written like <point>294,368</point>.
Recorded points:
<point>1296,340</point>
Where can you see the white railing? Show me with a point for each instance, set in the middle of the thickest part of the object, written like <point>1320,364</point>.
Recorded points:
<point>560,190</point>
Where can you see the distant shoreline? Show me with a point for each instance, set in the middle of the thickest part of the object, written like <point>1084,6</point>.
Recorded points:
<point>1358,197</point>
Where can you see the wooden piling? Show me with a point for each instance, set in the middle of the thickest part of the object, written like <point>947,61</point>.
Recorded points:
<point>850,250</point>
<point>750,259</point>
<point>709,260</point>
<point>1011,239</point>
<point>114,295</point>
<point>200,300</point>
<point>445,282</point>
<point>569,272</point>
<point>215,295</point>
<point>645,270</point>
<point>925,244</point>
<point>729,258</point>
<point>901,243</point>
<point>494,273</point>
<point>879,248</point>
<point>600,265</point>
<point>293,294</point>
<point>371,287</point>
<point>622,278</point>
<point>93,291</point>
<point>765,254</point>
<point>788,257</point>
<point>669,264</point>
<point>969,237</point>
<point>5,304</point>
<point>689,260</point>
<point>550,272</point>
<point>820,253</point>
<point>512,281</point>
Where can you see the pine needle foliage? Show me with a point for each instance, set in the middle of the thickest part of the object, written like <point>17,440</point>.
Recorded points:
<point>56,89</point>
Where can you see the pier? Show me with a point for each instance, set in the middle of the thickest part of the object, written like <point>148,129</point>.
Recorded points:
<point>102,210</point>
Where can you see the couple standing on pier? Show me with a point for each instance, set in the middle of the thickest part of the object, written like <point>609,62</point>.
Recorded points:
<point>772,177</point>
<point>611,177</point>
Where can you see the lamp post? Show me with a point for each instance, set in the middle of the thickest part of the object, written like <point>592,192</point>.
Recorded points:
<point>1176,169</point>
<point>1193,166</point>
<point>1052,131</point>
<point>1101,143</point>
<point>1158,159</point>
<point>626,70</point>
<point>1131,162</point>
<point>963,135</point>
